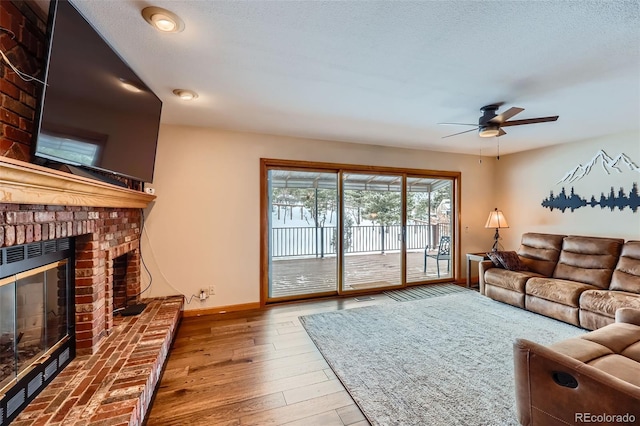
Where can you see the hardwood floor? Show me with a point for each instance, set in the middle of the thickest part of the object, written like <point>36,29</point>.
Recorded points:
<point>254,367</point>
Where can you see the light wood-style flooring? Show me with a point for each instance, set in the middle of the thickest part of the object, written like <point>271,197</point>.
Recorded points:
<point>254,367</point>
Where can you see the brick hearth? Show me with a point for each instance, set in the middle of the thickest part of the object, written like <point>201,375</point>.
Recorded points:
<point>115,385</point>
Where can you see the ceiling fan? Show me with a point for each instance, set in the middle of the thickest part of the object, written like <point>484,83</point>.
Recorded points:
<point>490,124</point>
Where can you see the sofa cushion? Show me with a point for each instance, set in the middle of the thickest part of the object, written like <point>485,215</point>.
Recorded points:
<point>617,336</point>
<point>626,276</point>
<point>581,349</point>
<point>511,280</point>
<point>633,351</point>
<point>540,252</point>
<point>555,290</point>
<point>589,260</point>
<point>619,366</point>
<point>505,295</point>
<point>605,302</point>
<point>508,260</point>
<point>592,320</point>
<point>624,341</point>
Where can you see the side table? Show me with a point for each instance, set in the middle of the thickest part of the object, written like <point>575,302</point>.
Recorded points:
<point>474,257</point>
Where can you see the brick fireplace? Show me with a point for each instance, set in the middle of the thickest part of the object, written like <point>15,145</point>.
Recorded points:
<point>102,235</point>
<point>118,363</point>
<point>115,233</point>
<point>46,204</point>
<point>36,205</point>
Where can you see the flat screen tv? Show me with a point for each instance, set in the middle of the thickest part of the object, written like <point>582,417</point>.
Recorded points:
<point>95,112</point>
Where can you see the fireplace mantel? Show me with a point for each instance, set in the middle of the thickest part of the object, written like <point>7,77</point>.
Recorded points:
<point>26,183</point>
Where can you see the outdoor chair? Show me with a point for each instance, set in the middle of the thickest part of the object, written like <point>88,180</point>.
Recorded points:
<point>443,253</point>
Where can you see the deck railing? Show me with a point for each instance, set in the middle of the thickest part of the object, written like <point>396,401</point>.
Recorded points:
<point>321,241</point>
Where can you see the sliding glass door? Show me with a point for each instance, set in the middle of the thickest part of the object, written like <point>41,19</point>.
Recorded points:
<point>429,230</point>
<point>303,223</point>
<point>332,229</point>
<point>371,231</point>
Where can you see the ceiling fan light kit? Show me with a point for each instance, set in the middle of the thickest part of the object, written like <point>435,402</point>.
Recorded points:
<point>490,124</point>
<point>489,131</point>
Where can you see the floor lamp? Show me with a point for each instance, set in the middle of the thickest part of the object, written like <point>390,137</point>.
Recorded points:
<point>496,220</point>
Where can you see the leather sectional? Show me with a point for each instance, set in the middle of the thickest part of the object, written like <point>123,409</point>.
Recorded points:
<point>580,280</point>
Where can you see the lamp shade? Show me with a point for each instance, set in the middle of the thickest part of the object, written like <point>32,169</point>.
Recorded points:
<point>496,220</point>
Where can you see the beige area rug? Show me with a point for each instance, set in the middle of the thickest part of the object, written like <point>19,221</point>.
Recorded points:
<point>444,360</point>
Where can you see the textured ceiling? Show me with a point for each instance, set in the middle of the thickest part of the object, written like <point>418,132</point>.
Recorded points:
<point>386,73</point>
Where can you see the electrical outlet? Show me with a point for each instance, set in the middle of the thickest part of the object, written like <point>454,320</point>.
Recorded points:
<point>212,290</point>
<point>203,295</point>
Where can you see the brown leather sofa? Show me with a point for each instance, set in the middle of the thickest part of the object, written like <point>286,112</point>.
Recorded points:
<point>576,279</point>
<point>594,378</point>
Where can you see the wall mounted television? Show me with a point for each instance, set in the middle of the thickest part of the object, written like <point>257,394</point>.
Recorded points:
<point>95,112</point>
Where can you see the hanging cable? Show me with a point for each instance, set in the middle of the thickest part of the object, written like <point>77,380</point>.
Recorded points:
<point>129,298</point>
<point>166,280</point>
<point>24,76</point>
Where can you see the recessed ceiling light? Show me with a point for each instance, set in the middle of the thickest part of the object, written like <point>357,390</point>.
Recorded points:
<point>162,19</point>
<point>185,95</point>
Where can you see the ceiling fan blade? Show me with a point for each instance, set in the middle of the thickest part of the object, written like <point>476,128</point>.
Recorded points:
<point>461,124</point>
<point>529,121</point>
<point>459,133</point>
<point>501,118</point>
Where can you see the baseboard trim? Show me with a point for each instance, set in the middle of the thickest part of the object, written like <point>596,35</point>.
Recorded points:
<point>221,309</point>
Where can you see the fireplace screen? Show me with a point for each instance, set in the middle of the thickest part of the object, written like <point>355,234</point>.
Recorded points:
<point>35,314</point>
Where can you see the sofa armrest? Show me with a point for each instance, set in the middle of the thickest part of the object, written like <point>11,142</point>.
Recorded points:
<point>553,388</point>
<point>482,267</point>
<point>628,315</point>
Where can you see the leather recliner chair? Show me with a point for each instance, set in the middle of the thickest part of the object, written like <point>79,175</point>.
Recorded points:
<point>594,378</point>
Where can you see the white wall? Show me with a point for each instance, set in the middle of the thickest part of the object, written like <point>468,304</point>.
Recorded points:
<point>204,227</point>
<point>526,179</point>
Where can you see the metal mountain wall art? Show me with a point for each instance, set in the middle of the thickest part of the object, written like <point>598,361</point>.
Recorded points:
<point>607,163</point>
<point>612,200</point>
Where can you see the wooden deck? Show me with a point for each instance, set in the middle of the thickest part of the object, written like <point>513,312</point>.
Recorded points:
<point>299,276</point>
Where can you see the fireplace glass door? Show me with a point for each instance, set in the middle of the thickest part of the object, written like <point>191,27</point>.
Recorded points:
<point>8,370</point>
<point>33,317</point>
